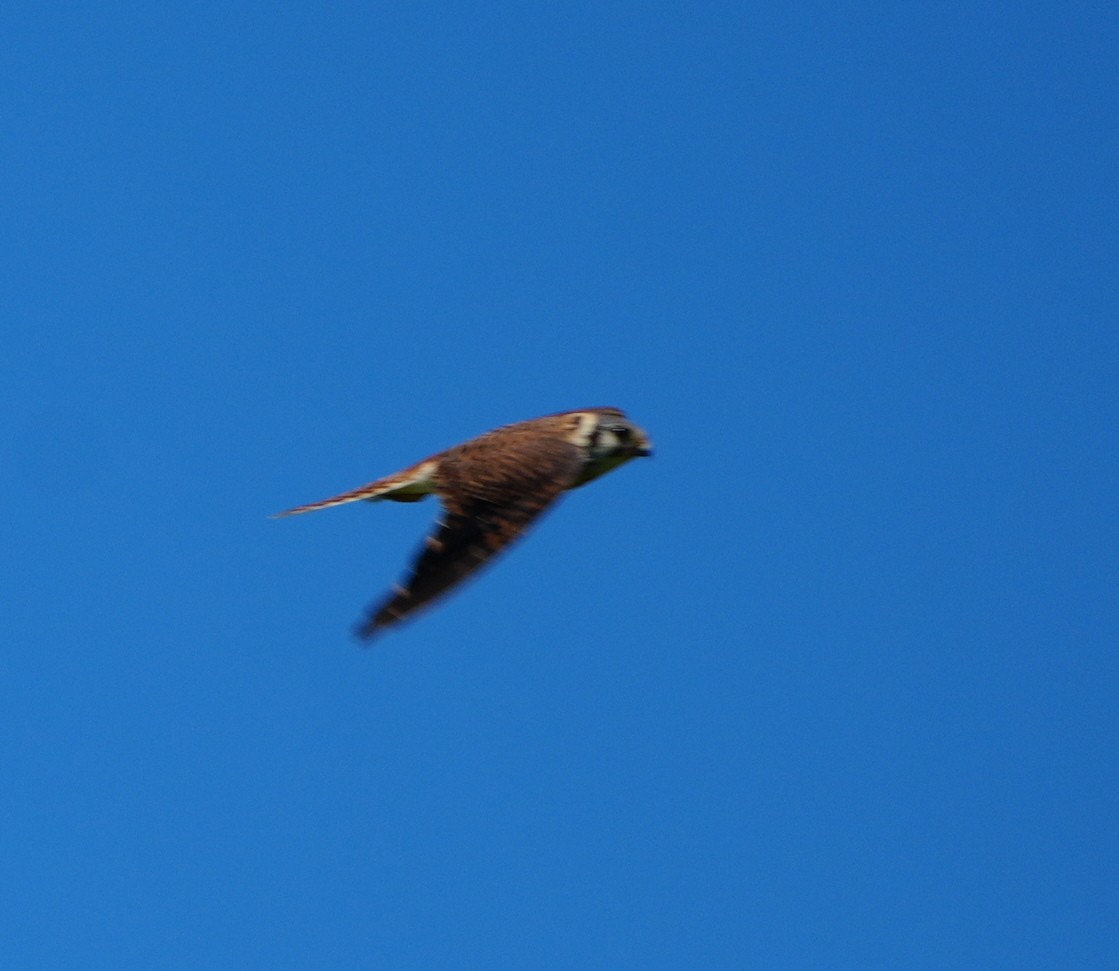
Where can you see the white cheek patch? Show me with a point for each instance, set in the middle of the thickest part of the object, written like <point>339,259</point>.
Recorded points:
<point>587,424</point>
<point>607,441</point>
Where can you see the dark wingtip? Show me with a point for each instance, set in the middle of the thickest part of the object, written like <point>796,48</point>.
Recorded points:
<point>373,626</point>
<point>367,630</point>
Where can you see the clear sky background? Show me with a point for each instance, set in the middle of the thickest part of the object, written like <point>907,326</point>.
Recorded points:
<point>828,683</point>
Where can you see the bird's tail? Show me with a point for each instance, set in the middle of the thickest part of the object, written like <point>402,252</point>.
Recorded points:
<point>411,485</point>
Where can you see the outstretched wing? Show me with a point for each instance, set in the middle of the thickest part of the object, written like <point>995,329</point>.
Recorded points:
<point>411,485</point>
<point>492,489</point>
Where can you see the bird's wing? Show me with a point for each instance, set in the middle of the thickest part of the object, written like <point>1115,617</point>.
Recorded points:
<point>491,492</point>
<point>411,485</point>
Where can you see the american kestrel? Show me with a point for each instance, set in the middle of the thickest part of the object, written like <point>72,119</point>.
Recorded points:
<point>492,487</point>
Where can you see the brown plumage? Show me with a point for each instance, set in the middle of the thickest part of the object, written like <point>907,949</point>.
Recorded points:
<point>492,488</point>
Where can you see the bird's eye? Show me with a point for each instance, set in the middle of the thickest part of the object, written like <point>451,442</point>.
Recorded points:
<point>622,432</point>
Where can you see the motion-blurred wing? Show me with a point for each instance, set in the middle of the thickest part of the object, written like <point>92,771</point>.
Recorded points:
<point>490,497</point>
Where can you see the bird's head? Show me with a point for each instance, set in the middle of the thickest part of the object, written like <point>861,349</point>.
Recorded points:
<point>610,439</point>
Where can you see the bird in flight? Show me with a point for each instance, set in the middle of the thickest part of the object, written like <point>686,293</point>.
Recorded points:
<point>492,488</point>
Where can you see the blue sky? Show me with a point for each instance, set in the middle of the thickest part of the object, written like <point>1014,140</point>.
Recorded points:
<point>829,683</point>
